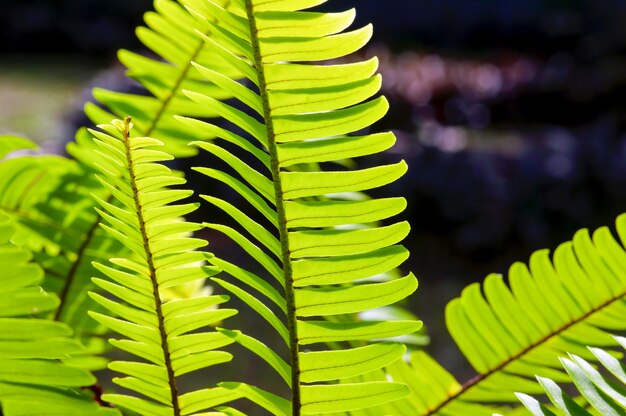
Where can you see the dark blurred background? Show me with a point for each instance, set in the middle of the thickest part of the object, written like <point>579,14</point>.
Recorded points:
<point>510,113</point>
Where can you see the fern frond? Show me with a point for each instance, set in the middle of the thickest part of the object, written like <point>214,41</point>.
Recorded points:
<point>170,35</point>
<point>603,394</point>
<point>510,333</point>
<point>38,372</point>
<point>145,220</point>
<point>316,247</point>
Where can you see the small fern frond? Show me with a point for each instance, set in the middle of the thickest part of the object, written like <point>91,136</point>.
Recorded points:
<point>603,394</point>
<point>170,35</point>
<point>38,359</point>
<point>145,219</point>
<point>318,249</point>
<point>510,333</point>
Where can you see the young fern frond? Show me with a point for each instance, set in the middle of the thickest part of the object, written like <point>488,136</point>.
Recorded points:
<point>510,333</point>
<point>319,249</point>
<point>602,394</point>
<point>170,35</point>
<point>144,218</point>
<point>38,359</point>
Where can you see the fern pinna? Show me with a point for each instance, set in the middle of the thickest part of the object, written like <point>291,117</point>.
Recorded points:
<point>321,250</point>
<point>144,219</point>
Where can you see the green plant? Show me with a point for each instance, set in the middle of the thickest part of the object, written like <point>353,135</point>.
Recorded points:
<point>319,256</point>
<point>600,394</point>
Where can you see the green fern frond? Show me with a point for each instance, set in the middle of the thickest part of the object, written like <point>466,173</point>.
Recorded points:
<point>145,220</point>
<point>170,35</point>
<point>38,358</point>
<point>604,394</point>
<point>317,248</point>
<point>510,333</point>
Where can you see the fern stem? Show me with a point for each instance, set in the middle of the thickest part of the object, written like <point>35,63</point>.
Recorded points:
<point>74,269</point>
<point>172,92</point>
<point>177,84</point>
<point>292,323</point>
<point>153,278</point>
<point>474,381</point>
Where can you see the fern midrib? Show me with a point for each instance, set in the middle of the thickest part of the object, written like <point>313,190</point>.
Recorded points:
<point>292,323</point>
<point>87,241</point>
<point>152,269</point>
<point>170,95</point>
<point>179,81</point>
<point>474,381</point>
<point>74,269</point>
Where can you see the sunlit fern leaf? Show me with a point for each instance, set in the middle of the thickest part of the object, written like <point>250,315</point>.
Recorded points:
<point>170,36</point>
<point>601,384</point>
<point>37,356</point>
<point>414,340</point>
<point>556,306</point>
<point>310,246</point>
<point>96,244</point>
<point>146,221</point>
